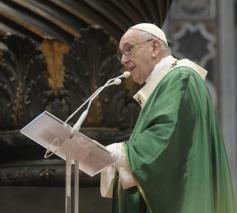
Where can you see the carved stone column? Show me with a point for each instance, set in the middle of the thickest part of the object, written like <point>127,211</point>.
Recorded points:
<point>228,81</point>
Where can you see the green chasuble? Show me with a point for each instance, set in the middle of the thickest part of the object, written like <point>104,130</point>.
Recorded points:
<point>176,152</point>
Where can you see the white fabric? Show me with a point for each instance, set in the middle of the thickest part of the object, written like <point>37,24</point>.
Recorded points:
<point>117,150</point>
<point>108,174</point>
<point>186,62</point>
<point>160,71</point>
<point>164,64</point>
<point>152,29</point>
<point>125,175</point>
<point>107,181</point>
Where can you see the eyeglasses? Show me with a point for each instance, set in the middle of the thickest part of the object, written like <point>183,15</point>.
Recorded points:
<point>128,50</point>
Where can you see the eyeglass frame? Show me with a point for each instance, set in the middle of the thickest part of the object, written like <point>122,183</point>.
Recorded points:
<point>129,52</point>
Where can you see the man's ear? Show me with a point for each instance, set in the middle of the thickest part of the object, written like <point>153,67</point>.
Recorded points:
<point>156,47</point>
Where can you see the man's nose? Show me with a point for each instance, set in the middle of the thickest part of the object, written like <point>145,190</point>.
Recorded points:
<point>124,59</point>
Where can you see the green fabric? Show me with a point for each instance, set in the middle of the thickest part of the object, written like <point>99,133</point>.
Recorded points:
<point>128,201</point>
<point>176,152</point>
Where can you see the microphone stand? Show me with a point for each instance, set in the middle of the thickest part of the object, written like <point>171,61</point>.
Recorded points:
<point>76,186</point>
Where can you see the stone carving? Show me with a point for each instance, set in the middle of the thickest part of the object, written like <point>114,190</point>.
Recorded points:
<point>195,9</point>
<point>195,43</point>
<point>23,81</point>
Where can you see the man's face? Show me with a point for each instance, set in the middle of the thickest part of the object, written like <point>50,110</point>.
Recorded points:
<point>137,55</point>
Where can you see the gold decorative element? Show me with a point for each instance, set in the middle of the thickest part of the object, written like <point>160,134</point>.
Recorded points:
<point>54,51</point>
<point>174,64</point>
<point>139,101</point>
<point>44,172</point>
<point>17,114</point>
<point>137,183</point>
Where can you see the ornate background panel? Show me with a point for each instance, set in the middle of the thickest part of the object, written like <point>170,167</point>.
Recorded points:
<point>23,81</point>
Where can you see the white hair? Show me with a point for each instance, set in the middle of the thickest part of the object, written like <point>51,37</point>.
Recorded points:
<point>164,46</point>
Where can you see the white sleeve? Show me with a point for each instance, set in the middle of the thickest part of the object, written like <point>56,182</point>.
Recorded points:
<point>108,174</point>
<point>107,181</point>
<point>126,177</point>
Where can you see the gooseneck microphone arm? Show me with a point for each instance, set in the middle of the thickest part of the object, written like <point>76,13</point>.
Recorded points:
<point>79,122</point>
<point>110,82</point>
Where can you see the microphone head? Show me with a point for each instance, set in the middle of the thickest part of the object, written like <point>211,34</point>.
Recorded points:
<point>117,81</point>
<point>126,74</point>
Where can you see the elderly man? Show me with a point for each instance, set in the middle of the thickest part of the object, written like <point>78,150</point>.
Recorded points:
<point>175,159</point>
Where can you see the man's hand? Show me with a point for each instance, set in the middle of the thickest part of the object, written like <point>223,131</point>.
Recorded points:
<point>117,150</point>
<point>125,174</point>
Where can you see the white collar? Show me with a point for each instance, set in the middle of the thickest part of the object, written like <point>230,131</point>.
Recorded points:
<point>164,62</point>
<point>160,71</point>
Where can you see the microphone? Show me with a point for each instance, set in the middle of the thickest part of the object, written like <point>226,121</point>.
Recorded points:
<point>117,81</point>
<point>114,81</point>
<point>126,74</point>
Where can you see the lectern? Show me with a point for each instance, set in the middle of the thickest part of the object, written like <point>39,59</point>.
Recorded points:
<point>74,147</point>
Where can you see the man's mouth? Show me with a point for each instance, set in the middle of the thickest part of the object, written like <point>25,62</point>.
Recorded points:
<point>131,68</point>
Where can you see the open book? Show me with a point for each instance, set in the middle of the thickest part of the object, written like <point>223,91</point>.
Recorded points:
<point>58,138</point>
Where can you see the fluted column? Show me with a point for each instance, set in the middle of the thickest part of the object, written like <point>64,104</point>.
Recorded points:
<point>228,81</point>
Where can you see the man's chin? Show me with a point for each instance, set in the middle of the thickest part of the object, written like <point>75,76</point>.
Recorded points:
<point>134,79</point>
<point>137,80</point>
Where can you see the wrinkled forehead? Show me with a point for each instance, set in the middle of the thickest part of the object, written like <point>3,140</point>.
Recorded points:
<point>130,37</point>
